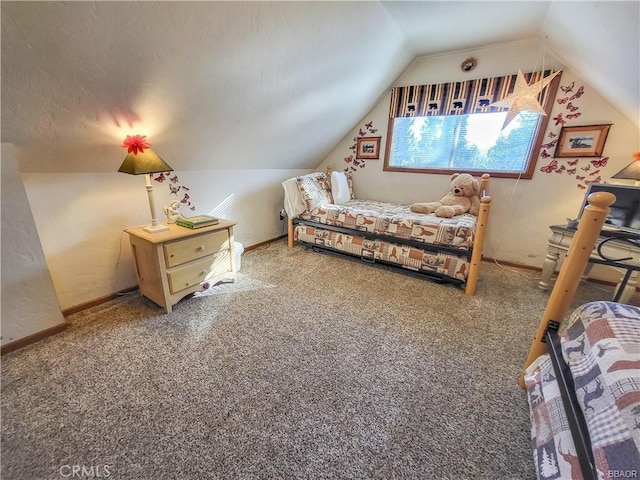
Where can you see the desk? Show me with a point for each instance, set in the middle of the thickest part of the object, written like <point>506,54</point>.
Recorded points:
<point>618,253</point>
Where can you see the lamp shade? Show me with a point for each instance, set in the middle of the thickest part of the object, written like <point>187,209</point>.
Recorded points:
<point>630,172</point>
<point>144,162</point>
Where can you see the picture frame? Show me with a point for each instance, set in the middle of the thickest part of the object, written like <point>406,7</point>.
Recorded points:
<point>368,148</point>
<point>582,141</point>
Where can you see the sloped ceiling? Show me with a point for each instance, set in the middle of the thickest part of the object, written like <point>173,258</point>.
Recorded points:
<point>257,84</point>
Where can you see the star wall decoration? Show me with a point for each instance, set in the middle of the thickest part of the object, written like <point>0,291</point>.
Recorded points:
<point>524,97</point>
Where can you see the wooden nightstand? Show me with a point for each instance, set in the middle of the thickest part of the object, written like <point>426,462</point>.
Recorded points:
<point>173,264</point>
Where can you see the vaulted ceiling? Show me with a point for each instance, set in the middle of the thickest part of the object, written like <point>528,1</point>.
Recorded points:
<point>261,84</point>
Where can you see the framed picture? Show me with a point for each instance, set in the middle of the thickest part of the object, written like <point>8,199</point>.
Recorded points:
<point>585,141</point>
<point>368,147</point>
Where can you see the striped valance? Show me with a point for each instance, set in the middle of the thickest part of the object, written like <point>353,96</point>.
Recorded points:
<point>458,98</point>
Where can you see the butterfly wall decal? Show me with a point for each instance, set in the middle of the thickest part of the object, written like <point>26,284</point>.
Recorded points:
<point>598,179</point>
<point>578,94</point>
<point>568,88</point>
<point>174,189</point>
<point>571,116</point>
<point>559,120</point>
<point>571,107</point>
<point>550,167</point>
<point>571,171</point>
<point>563,100</point>
<point>601,162</point>
<point>573,162</point>
<point>544,154</point>
<point>550,144</point>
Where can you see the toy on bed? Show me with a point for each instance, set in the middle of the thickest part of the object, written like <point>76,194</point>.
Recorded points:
<point>462,197</point>
<point>583,384</point>
<point>325,214</point>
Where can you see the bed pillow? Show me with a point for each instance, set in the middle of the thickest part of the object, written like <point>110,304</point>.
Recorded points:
<point>315,189</point>
<point>340,188</point>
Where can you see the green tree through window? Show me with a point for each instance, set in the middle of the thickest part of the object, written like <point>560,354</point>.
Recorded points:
<point>471,142</point>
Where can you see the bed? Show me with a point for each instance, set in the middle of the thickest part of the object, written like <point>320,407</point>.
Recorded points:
<point>324,214</point>
<point>582,377</point>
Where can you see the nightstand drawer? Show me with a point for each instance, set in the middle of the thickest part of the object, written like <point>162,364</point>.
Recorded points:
<point>183,251</point>
<point>189,276</point>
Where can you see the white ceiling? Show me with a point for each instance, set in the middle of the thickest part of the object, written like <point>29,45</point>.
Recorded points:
<point>257,84</point>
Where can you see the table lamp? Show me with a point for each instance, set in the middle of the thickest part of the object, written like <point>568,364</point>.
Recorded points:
<point>631,171</point>
<point>142,160</point>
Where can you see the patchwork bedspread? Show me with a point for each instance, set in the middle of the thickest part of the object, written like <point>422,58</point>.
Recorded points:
<point>601,345</point>
<point>408,257</point>
<point>395,220</point>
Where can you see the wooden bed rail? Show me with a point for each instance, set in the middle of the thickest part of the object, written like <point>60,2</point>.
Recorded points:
<point>571,271</point>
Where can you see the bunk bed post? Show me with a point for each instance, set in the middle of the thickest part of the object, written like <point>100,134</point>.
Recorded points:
<point>290,232</point>
<point>478,241</point>
<point>571,271</point>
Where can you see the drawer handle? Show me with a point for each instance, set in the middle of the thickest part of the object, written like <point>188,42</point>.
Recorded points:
<point>202,248</point>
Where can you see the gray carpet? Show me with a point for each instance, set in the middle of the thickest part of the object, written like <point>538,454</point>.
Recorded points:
<point>310,366</point>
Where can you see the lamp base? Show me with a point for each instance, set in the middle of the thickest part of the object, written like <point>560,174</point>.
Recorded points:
<point>156,228</point>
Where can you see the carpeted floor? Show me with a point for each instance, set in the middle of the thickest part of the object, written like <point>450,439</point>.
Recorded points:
<point>310,366</point>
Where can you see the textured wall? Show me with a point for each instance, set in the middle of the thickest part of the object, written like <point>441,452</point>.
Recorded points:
<point>29,302</point>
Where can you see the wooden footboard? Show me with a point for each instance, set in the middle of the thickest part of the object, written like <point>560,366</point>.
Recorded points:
<point>571,271</point>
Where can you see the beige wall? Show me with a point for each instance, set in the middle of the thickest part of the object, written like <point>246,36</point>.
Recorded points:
<point>522,210</point>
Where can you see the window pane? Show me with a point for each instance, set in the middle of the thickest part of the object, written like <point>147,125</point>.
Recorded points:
<point>464,142</point>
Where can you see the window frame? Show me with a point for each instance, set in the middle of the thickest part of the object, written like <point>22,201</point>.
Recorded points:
<point>527,174</point>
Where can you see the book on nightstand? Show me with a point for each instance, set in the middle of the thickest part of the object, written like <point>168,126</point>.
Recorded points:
<point>198,221</point>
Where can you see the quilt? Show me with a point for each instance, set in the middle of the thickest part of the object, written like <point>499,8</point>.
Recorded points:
<point>396,220</point>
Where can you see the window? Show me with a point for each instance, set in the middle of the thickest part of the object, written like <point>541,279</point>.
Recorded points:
<point>467,140</point>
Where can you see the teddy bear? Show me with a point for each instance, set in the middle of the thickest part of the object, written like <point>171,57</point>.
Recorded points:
<point>462,197</point>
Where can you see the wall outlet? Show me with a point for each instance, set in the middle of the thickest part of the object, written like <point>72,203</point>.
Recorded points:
<point>282,214</point>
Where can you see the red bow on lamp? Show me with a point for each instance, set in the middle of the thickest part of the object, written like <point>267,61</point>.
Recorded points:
<point>136,143</point>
